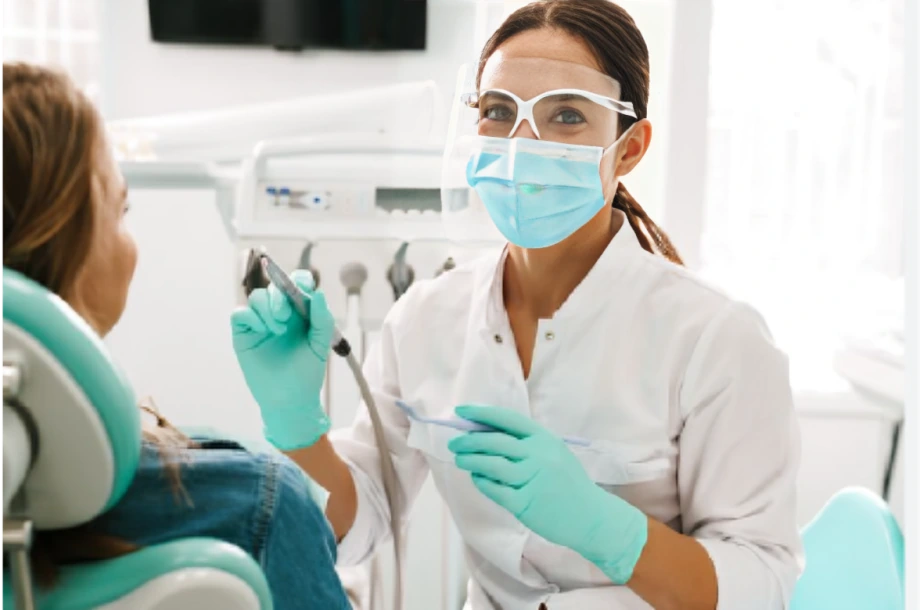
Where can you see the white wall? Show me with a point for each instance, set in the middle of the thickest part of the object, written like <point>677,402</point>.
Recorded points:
<point>141,77</point>
<point>174,338</point>
<point>911,234</point>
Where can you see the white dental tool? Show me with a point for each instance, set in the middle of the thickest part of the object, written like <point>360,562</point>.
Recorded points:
<point>340,346</point>
<point>465,425</point>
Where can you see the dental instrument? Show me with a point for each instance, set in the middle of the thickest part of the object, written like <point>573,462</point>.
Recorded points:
<point>400,274</point>
<point>353,276</point>
<point>340,346</point>
<point>304,263</point>
<point>465,425</point>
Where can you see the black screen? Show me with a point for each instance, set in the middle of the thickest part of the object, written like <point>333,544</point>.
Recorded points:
<point>292,24</point>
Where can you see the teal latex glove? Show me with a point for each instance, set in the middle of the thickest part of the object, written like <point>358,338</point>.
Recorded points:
<point>531,472</point>
<point>284,363</point>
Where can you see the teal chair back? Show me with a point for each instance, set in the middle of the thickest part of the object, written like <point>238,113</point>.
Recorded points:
<point>854,556</point>
<point>87,443</point>
<point>76,395</point>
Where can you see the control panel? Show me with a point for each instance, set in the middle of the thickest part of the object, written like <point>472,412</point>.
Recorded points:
<point>344,192</point>
<point>297,200</point>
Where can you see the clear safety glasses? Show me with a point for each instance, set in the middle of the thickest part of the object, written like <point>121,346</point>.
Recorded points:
<point>552,115</point>
<point>561,102</point>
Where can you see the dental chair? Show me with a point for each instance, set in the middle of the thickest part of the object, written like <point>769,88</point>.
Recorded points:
<point>854,556</point>
<point>71,444</point>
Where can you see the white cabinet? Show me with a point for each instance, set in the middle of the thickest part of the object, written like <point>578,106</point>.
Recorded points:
<point>846,440</point>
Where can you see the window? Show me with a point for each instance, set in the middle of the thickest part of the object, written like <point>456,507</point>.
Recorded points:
<point>805,174</point>
<point>63,33</point>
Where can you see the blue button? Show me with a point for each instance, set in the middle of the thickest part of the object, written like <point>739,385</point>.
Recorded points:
<point>271,190</point>
<point>285,191</point>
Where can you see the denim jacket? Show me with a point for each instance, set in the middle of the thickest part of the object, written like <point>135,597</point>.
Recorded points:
<point>258,500</point>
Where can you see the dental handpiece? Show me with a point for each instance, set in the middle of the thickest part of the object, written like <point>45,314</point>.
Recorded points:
<point>298,300</point>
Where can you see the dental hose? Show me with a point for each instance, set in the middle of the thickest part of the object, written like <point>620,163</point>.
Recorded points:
<point>342,348</point>
<point>388,471</point>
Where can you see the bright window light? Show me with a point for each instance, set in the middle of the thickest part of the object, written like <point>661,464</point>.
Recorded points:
<point>805,184</point>
<point>61,33</point>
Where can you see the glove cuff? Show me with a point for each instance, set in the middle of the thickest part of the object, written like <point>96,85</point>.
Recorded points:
<point>618,542</point>
<point>293,429</point>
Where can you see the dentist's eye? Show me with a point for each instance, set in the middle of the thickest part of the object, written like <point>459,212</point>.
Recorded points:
<point>568,117</point>
<point>497,113</point>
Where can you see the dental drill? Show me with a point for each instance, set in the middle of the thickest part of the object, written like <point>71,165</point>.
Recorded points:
<point>305,263</point>
<point>353,277</point>
<point>400,274</point>
<point>298,300</point>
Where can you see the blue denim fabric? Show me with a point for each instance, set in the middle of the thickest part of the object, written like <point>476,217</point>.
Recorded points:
<point>257,501</point>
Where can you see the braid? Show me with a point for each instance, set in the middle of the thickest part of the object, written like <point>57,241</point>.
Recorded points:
<point>644,227</point>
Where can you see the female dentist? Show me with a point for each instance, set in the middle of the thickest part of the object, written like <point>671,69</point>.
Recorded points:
<point>582,326</point>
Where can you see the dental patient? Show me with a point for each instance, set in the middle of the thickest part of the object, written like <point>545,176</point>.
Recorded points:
<point>64,200</point>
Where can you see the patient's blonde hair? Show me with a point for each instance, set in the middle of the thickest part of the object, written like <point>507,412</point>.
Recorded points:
<point>51,135</point>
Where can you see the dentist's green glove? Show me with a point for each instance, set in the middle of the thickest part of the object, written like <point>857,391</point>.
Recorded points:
<point>284,363</point>
<point>531,472</point>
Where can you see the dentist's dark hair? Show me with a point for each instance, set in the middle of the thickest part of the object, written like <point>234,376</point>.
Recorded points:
<point>619,47</point>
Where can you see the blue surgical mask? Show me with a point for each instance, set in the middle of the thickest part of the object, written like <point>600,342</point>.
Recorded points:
<point>537,192</point>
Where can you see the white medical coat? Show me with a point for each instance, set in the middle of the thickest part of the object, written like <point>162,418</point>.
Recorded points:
<point>684,386</point>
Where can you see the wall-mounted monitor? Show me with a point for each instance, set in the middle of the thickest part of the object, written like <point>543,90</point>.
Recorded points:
<point>379,25</point>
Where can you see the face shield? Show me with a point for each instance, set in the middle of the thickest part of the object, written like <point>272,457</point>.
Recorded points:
<point>531,124</point>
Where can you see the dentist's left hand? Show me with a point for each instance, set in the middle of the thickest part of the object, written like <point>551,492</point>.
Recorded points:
<point>284,363</point>
<point>530,472</point>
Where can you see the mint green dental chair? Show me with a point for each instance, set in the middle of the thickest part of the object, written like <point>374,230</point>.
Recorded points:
<point>854,556</point>
<point>71,444</point>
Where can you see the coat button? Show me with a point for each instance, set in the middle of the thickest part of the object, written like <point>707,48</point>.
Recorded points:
<point>550,335</point>
<point>498,338</point>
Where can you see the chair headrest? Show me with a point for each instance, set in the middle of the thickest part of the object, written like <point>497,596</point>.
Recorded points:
<point>854,555</point>
<point>84,410</point>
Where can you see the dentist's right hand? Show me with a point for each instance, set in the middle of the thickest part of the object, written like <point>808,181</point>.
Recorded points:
<point>284,363</point>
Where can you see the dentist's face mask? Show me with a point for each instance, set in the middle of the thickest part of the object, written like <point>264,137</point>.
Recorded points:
<point>542,182</point>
